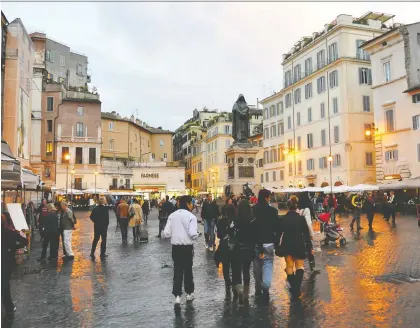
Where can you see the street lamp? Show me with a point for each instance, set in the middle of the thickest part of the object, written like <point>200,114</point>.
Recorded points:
<point>96,173</point>
<point>67,158</point>
<point>371,130</point>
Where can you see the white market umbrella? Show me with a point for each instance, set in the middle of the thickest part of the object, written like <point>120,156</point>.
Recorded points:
<point>363,187</point>
<point>96,191</point>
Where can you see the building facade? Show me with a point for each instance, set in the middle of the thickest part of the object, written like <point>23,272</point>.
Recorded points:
<point>199,163</point>
<point>395,59</point>
<point>4,23</point>
<point>314,128</point>
<point>257,139</point>
<point>17,91</point>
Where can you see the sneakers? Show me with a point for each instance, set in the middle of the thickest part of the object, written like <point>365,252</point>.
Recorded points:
<point>190,297</point>
<point>177,300</point>
<point>206,246</point>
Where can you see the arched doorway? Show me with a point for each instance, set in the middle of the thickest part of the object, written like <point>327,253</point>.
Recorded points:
<point>324,184</point>
<point>338,183</point>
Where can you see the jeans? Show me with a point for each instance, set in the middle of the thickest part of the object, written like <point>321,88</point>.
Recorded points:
<point>145,215</point>
<point>263,267</point>
<point>356,218</point>
<point>162,225</point>
<point>67,241</point>
<point>182,255</point>
<point>241,269</point>
<point>209,232</point>
<point>62,241</point>
<point>52,239</point>
<point>99,233</point>
<point>124,228</point>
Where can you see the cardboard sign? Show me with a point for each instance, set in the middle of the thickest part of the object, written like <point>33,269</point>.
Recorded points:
<point>16,213</point>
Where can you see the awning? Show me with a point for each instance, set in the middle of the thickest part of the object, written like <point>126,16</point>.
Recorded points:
<point>96,191</point>
<point>403,184</point>
<point>30,180</point>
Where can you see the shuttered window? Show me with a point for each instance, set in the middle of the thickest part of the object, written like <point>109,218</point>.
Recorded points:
<point>365,76</point>
<point>366,103</point>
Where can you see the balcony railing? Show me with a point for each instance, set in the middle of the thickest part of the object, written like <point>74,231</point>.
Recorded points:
<point>82,95</point>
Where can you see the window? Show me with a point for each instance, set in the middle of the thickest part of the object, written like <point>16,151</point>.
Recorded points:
<point>322,110</point>
<point>49,125</point>
<point>227,143</point>
<point>368,127</point>
<point>288,100</point>
<point>290,144</point>
<point>281,128</point>
<point>416,98</point>
<point>308,91</point>
<point>227,129</point>
<point>360,53</point>
<point>298,119</point>
<point>281,154</point>
<point>320,59</point>
<point>299,143</point>
<point>215,144</point>
<point>266,133</point>
<point>79,155</point>
<point>114,183</point>
<point>79,69</point>
<point>77,183</point>
<point>366,103</point>
<point>290,168</point>
<point>308,66</point>
<point>387,71</point>
<point>416,122</point>
<point>266,177</point>
<point>266,113</point>
<point>299,166</point>
<point>161,143</point>
<point>337,160</point>
<point>50,104</point>
<point>79,129</point>
<point>336,134</point>
<point>289,122</point>
<point>333,79</point>
<point>332,52</point>
<point>274,175</point>
<point>335,105</point>
<point>48,55</point>
<point>287,78</point>
<point>127,183</point>
<point>310,164</point>
<point>369,159</point>
<point>111,144</point>
<point>48,148</point>
<point>365,76</point>
<point>309,114</point>
<point>389,120</point>
<point>323,138</point>
<point>51,56</point>
<point>47,172</point>
<point>282,174</point>
<point>280,108</point>
<point>391,155</point>
<point>418,152</point>
<point>296,73</point>
<point>323,162</point>
<point>321,84</point>
<point>310,140</point>
<point>272,111</point>
<point>297,96</point>
<point>262,178</point>
<point>111,126</point>
<point>92,155</point>
<point>64,152</point>
<point>80,110</point>
<point>62,61</point>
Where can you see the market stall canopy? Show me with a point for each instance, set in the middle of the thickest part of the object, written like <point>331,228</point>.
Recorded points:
<point>96,191</point>
<point>336,189</point>
<point>30,180</point>
<point>403,184</point>
<point>363,187</point>
<point>11,175</point>
<point>69,191</point>
<point>123,193</point>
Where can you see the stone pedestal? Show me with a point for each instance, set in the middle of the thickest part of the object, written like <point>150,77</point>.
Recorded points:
<point>241,165</point>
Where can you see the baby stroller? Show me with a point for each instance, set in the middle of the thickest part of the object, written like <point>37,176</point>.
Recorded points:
<point>331,230</point>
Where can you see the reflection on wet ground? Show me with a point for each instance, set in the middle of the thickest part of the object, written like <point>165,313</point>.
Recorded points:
<point>133,287</point>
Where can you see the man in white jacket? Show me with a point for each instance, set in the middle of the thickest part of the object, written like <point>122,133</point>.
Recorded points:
<point>182,229</point>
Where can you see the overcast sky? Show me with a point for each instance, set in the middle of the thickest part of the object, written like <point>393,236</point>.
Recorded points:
<point>165,59</point>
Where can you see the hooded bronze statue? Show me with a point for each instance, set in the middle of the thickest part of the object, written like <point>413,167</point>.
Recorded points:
<point>240,120</point>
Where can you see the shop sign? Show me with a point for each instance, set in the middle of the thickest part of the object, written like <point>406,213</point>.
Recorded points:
<point>150,175</point>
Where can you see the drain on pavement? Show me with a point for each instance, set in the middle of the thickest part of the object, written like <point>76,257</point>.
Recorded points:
<point>397,278</point>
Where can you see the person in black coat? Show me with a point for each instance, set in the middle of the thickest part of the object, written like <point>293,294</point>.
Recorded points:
<point>266,221</point>
<point>100,218</point>
<point>295,233</point>
<point>209,214</point>
<point>146,209</point>
<point>369,209</point>
<point>225,232</point>
<point>244,250</point>
<point>50,230</point>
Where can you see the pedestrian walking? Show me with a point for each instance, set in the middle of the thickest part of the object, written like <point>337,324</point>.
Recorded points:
<point>332,206</point>
<point>135,214</point>
<point>357,203</point>
<point>243,250</point>
<point>42,211</point>
<point>11,240</point>
<point>166,209</point>
<point>369,209</point>
<point>303,210</point>
<point>266,221</point>
<point>223,254</point>
<point>50,230</point>
<point>182,229</point>
<point>392,206</point>
<point>67,223</point>
<point>209,214</point>
<point>146,209</point>
<point>294,233</point>
<point>100,219</point>
<point>385,210</point>
<point>122,212</point>
<point>60,227</point>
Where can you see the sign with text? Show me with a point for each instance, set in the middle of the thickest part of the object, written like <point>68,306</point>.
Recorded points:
<point>246,171</point>
<point>150,175</point>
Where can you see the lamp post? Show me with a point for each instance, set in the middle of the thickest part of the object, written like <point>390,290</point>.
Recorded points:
<point>96,173</point>
<point>330,158</point>
<point>67,158</point>
<point>71,187</point>
<point>214,180</point>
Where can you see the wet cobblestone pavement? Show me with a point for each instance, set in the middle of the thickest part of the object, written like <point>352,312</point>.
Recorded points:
<point>370,282</point>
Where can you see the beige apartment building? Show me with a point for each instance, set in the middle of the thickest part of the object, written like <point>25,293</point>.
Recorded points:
<point>257,139</point>
<point>395,58</point>
<point>17,91</point>
<point>314,128</point>
<point>199,163</point>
